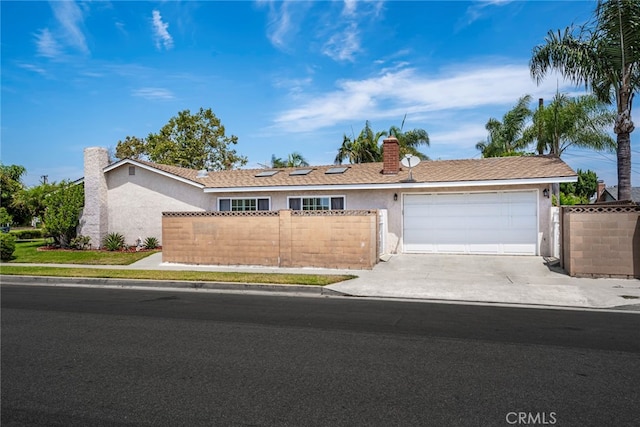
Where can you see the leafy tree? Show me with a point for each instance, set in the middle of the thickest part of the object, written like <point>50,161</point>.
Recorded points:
<point>293,160</point>
<point>196,141</point>
<point>32,200</point>
<point>567,122</point>
<point>131,148</point>
<point>604,55</point>
<point>572,193</point>
<point>10,185</point>
<point>410,140</point>
<point>62,213</point>
<point>506,137</point>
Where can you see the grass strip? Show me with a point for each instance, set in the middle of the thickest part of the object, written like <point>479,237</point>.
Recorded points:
<point>27,252</point>
<point>196,276</point>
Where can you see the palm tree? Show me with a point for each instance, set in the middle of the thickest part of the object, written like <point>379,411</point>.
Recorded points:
<point>410,140</point>
<point>363,149</point>
<point>604,55</point>
<point>293,160</point>
<point>506,137</point>
<point>567,122</point>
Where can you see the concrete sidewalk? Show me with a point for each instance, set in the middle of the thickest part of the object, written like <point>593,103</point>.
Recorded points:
<point>521,280</point>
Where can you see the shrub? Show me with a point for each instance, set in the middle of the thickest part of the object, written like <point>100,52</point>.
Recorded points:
<point>63,208</point>
<point>80,242</point>
<point>5,218</point>
<point>7,246</point>
<point>113,242</point>
<point>151,243</point>
<point>35,233</point>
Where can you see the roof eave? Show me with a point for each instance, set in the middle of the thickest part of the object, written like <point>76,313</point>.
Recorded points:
<point>152,169</point>
<point>393,186</point>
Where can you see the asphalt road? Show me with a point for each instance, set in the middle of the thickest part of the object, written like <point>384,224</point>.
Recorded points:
<point>103,357</point>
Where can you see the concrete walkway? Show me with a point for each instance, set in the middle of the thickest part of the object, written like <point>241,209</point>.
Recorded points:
<point>469,278</point>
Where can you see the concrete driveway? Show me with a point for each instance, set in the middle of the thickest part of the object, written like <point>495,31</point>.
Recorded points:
<point>496,279</point>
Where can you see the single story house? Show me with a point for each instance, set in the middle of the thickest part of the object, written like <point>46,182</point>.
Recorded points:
<point>474,206</point>
<point>610,194</point>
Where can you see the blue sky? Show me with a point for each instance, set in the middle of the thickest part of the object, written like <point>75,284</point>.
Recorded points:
<point>282,76</point>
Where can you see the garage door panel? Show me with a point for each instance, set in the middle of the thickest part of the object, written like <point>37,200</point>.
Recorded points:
<point>484,249</point>
<point>480,223</point>
<point>519,249</point>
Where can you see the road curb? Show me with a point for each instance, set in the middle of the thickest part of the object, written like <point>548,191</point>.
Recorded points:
<point>162,284</point>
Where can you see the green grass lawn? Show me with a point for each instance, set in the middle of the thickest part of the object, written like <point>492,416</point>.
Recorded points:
<point>197,276</point>
<point>28,252</point>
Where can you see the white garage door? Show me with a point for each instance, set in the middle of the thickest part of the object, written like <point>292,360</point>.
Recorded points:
<point>471,223</point>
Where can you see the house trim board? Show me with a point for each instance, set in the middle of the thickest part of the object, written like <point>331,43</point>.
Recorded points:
<point>399,185</point>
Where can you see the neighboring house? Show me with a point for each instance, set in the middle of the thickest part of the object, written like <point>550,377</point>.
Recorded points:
<point>610,194</point>
<point>479,206</point>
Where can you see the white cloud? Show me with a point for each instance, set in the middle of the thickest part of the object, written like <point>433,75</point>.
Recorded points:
<point>121,27</point>
<point>280,27</point>
<point>478,9</point>
<point>345,41</point>
<point>391,94</point>
<point>350,7</point>
<point>71,19</point>
<point>33,68</point>
<point>47,45</point>
<point>160,32</point>
<point>343,46</point>
<point>153,93</point>
<point>462,136</point>
<point>294,86</point>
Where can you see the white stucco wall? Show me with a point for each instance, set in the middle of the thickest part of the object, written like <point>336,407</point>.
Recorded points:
<point>384,199</point>
<point>136,202</point>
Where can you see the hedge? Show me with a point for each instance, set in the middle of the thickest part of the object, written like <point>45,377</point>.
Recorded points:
<point>36,233</point>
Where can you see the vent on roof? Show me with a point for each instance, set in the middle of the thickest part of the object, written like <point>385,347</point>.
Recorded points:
<point>267,173</point>
<point>301,172</point>
<point>336,170</point>
<point>202,173</point>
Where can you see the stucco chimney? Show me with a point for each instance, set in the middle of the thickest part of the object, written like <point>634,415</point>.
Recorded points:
<point>95,216</point>
<point>390,156</point>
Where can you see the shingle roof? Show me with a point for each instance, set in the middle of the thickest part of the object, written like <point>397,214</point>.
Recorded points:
<point>635,193</point>
<point>489,169</point>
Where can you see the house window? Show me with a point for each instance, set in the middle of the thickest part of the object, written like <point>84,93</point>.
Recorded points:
<point>316,203</point>
<point>132,170</point>
<point>241,205</point>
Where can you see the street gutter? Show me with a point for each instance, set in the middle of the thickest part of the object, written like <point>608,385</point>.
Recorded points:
<point>176,284</point>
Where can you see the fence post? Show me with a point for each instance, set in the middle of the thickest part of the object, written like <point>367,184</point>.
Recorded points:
<point>284,217</point>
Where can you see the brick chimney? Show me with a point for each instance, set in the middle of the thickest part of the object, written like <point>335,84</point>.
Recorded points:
<point>600,190</point>
<point>390,156</point>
